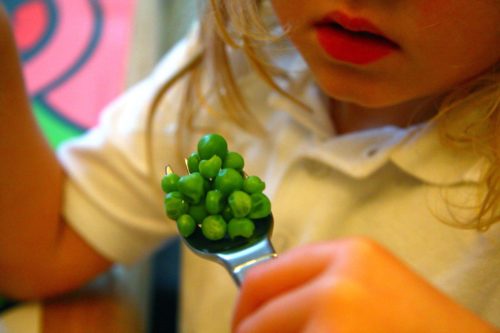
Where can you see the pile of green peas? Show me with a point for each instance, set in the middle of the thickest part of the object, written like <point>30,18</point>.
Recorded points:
<point>216,196</point>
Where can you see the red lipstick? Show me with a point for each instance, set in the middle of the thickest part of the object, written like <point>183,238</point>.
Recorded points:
<point>352,39</point>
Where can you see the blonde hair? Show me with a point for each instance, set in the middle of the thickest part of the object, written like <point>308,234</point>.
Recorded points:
<point>229,25</point>
<point>468,119</point>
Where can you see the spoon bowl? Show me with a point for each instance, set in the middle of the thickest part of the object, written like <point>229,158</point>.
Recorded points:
<point>236,255</point>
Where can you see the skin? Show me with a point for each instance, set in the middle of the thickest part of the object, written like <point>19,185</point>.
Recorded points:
<point>40,262</point>
<point>351,285</point>
<point>345,286</point>
<point>331,286</point>
<point>92,311</point>
<point>435,54</point>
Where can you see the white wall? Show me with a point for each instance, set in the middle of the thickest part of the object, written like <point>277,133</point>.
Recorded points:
<point>158,25</point>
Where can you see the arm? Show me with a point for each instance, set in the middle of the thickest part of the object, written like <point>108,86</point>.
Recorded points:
<point>39,254</point>
<point>96,311</point>
<point>349,285</point>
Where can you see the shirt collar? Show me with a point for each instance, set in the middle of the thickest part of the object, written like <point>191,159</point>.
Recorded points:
<point>358,154</point>
<point>425,156</point>
<point>417,150</point>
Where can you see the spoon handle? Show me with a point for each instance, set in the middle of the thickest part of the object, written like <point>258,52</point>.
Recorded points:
<point>237,263</point>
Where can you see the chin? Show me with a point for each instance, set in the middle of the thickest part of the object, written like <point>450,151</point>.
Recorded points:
<point>368,95</point>
<point>369,99</point>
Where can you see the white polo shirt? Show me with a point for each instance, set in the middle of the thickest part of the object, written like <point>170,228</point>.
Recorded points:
<point>389,184</point>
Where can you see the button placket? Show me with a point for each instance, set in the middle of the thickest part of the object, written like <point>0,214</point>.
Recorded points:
<point>372,151</point>
<point>318,168</point>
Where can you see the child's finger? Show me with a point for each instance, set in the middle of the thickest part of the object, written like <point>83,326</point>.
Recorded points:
<point>286,313</point>
<point>275,277</point>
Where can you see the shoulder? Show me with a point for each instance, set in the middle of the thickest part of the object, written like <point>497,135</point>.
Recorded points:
<point>4,21</point>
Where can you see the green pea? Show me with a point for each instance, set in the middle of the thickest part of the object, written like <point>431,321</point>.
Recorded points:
<point>207,185</point>
<point>214,202</point>
<point>210,168</point>
<point>227,213</point>
<point>240,203</point>
<point>192,186</point>
<point>233,160</point>
<point>253,184</point>
<point>186,225</point>
<point>198,212</point>
<point>192,162</point>
<point>214,227</point>
<point>169,182</point>
<point>175,205</point>
<point>210,145</point>
<point>228,181</point>
<point>216,195</point>
<point>240,227</point>
<point>261,206</point>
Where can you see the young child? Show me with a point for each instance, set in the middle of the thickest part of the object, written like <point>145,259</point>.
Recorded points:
<point>375,129</point>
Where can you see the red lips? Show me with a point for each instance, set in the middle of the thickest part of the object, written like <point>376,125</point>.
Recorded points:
<point>352,39</point>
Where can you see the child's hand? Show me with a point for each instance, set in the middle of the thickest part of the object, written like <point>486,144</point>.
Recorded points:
<point>350,285</point>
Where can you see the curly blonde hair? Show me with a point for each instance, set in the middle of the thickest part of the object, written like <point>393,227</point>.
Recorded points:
<point>243,25</point>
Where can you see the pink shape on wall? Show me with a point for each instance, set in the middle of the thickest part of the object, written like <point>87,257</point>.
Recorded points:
<point>29,23</point>
<point>105,73</point>
<point>78,95</point>
<point>68,42</point>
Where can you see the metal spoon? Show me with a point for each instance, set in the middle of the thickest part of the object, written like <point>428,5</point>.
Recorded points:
<point>236,255</point>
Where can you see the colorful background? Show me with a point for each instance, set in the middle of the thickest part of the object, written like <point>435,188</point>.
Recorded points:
<point>78,56</point>
<point>74,55</point>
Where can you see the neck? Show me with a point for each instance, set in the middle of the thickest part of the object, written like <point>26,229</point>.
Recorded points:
<point>349,117</point>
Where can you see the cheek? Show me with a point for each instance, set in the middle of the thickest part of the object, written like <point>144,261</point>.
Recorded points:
<point>432,9</point>
<point>453,40</point>
<point>291,13</point>
<point>452,26</point>
<point>281,11</point>
<point>479,17</point>
<point>433,18</point>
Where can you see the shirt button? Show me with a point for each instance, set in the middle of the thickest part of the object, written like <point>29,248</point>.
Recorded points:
<point>318,169</point>
<point>371,152</point>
